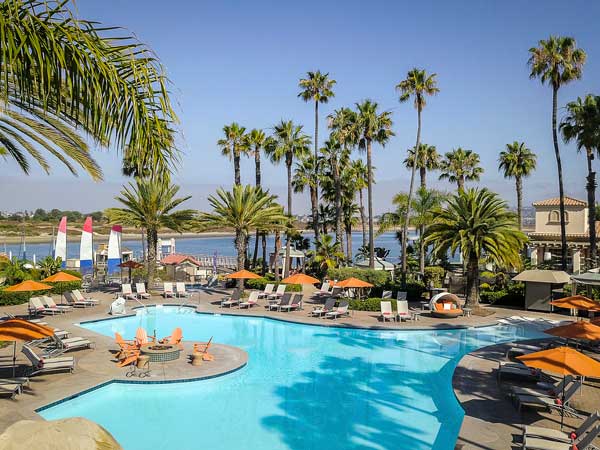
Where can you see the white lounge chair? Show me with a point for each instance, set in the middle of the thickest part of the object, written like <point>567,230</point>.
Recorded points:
<point>341,310</point>
<point>267,291</point>
<point>323,309</point>
<point>530,431</point>
<point>127,292</point>
<point>402,310</point>
<point>42,364</point>
<point>10,389</point>
<point>180,290</point>
<point>61,345</point>
<point>36,307</point>
<point>168,290</point>
<point>324,289</point>
<point>279,292</point>
<point>233,299</point>
<point>80,298</point>
<point>72,301</point>
<point>50,303</point>
<point>386,311</point>
<point>252,300</point>
<point>549,403</point>
<point>585,443</point>
<point>140,289</point>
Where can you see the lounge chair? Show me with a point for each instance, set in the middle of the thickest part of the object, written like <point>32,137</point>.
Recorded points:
<point>402,310</point>
<point>585,443</point>
<point>550,403</point>
<point>279,292</point>
<point>80,298</point>
<point>50,303</point>
<point>10,389</point>
<point>43,364</point>
<point>180,290</point>
<point>323,309</point>
<point>386,311</point>
<point>544,389</point>
<point>140,289</point>
<point>168,290</point>
<point>285,300</point>
<point>401,295</point>
<point>72,301</point>
<point>294,304</point>
<point>336,292</point>
<point>324,289</point>
<point>341,310</point>
<point>266,292</point>
<point>203,347</point>
<point>530,431</point>
<point>60,345</point>
<point>517,370</point>
<point>233,299</point>
<point>252,300</point>
<point>386,294</point>
<point>127,292</point>
<point>523,349</point>
<point>175,338</point>
<point>36,307</point>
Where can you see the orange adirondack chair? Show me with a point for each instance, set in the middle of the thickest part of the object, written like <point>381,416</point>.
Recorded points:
<point>175,338</point>
<point>141,337</point>
<point>129,358</point>
<point>202,347</point>
<point>124,346</point>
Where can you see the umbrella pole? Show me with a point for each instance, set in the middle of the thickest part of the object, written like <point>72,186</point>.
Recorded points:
<point>14,357</point>
<point>562,404</point>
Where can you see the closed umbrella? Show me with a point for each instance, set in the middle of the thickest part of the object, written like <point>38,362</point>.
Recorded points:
<point>14,330</point>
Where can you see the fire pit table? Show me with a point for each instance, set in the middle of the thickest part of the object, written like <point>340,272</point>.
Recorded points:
<point>160,352</point>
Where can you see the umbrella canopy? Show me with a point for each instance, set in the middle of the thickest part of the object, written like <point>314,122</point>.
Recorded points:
<point>22,330</point>
<point>131,265</point>
<point>576,330</point>
<point>300,278</point>
<point>577,302</point>
<point>353,283</point>
<point>28,286</point>
<point>563,361</point>
<point>61,277</point>
<point>242,275</point>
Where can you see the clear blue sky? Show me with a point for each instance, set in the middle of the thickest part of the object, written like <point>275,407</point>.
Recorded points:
<point>241,61</point>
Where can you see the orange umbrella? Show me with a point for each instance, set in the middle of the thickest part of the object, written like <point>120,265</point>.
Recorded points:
<point>576,330</point>
<point>564,361</point>
<point>577,302</point>
<point>61,277</point>
<point>243,275</point>
<point>300,278</point>
<point>353,283</point>
<point>28,286</point>
<point>22,330</point>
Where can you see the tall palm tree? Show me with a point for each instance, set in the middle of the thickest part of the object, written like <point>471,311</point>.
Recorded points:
<point>477,223</point>
<point>517,162</point>
<point>304,177</point>
<point>418,85</point>
<point>370,126</point>
<point>361,181</point>
<point>459,166</point>
<point>256,140</point>
<point>53,68</point>
<point>557,61</point>
<point>244,208</point>
<point>423,206</point>
<point>151,204</point>
<point>582,123</point>
<point>316,87</point>
<point>233,145</point>
<point>428,159</point>
<point>287,144</point>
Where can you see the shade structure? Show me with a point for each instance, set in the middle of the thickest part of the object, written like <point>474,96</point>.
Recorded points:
<point>130,264</point>
<point>576,330</point>
<point>353,283</point>
<point>28,286</point>
<point>577,302</point>
<point>61,277</point>
<point>242,275</point>
<point>14,330</point>
<point>563,361</point>
<point>300,278</point>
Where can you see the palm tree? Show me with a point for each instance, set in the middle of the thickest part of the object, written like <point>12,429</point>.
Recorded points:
<point>13,271</point>
<point>517,162</point>
<point>361,181</point>
<point>477,223</point>
<point>371,126</point>
<point>423,205</point>
<point>582,123</point>
<point>428,159</point>
<point>459,166</point>
<point>316,87</point>
<point>256,141</point>
<point>557,61</point>
<point>49,266</point>
<point>417,84</point>
<point>288,143</point>
<point>233,145</point>
<point>244,209</point>
<point>304,177</point>
<point>327,253</point>
<point>151,204</point>
<point>64,79</point>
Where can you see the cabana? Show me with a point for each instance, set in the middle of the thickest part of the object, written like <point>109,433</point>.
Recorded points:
<point>379,264</point>
<point>445,305</point>
<point>539,285</point>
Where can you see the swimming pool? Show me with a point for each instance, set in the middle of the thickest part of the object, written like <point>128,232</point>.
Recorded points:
<point>304,387</point>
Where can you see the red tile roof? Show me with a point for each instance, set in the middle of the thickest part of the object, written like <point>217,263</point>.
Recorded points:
<point>569,201</point>
<point>177,259</point>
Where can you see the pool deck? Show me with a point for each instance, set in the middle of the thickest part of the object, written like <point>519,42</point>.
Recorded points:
<point>97,366</point>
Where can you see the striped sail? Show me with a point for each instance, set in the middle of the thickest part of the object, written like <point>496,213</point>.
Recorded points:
<point>114,250</point>
<point>60,249</point>
<point>86,258</point>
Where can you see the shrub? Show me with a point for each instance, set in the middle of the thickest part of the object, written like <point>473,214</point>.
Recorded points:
<point>75,273</point>
<point>260,283</point>
<point>369,304</point>
<point>485,287</point>
<point>13,298</point>
<point>434,275</point>
<point>513,295</point>
<point>59,288</point>
<point>377,278</point>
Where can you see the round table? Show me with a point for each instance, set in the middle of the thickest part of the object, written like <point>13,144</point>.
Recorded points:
<point>467,312</point>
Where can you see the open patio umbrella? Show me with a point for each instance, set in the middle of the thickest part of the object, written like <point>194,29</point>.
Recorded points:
<point>576,330</point>
<point>22,330</point>
<point>577,302</point>
<point>355,283</point>
<point>563,361</point>
<point>131,265</point>
<point>61,277</point>
<point>300,278</point>
<point>28,286</point>
<point>242,275</point>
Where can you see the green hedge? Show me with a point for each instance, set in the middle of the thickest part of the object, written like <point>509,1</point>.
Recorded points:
<point>260,283</point>
<point>435,275</point>
<point>14,298</point>
<point>513,295</point>
<point>377,278</point>
<point>369,304</point>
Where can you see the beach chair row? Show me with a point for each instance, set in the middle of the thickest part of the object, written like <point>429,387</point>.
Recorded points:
<point>46,305</point>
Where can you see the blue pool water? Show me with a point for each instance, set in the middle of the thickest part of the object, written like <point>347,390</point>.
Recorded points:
<point>304,387</point>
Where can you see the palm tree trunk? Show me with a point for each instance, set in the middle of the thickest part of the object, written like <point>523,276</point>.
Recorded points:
<point>338,205</point>
<point>472,281</point>
<point>151,240</point>
<point>363,219</point>
<point>264,253</point>
<point>591,195</point>
<point>240,246</point>
<point>236,168</point>
<point>423,176</point>
<point>370,205</point>
<point>258,181</point>
<point>315,207</point>
<point>421,250</point>
<point>563,226</point>
<point>519,186</point>
<point>409,198</point>
<point>314,204</point>
<point>276,255</point>
<point>349,242</point>
<point>460,183</point>
<point>288,243</point>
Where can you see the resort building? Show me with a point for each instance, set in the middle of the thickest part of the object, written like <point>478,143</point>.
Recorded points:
<point>184,268</point>
<point>545,242</point>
